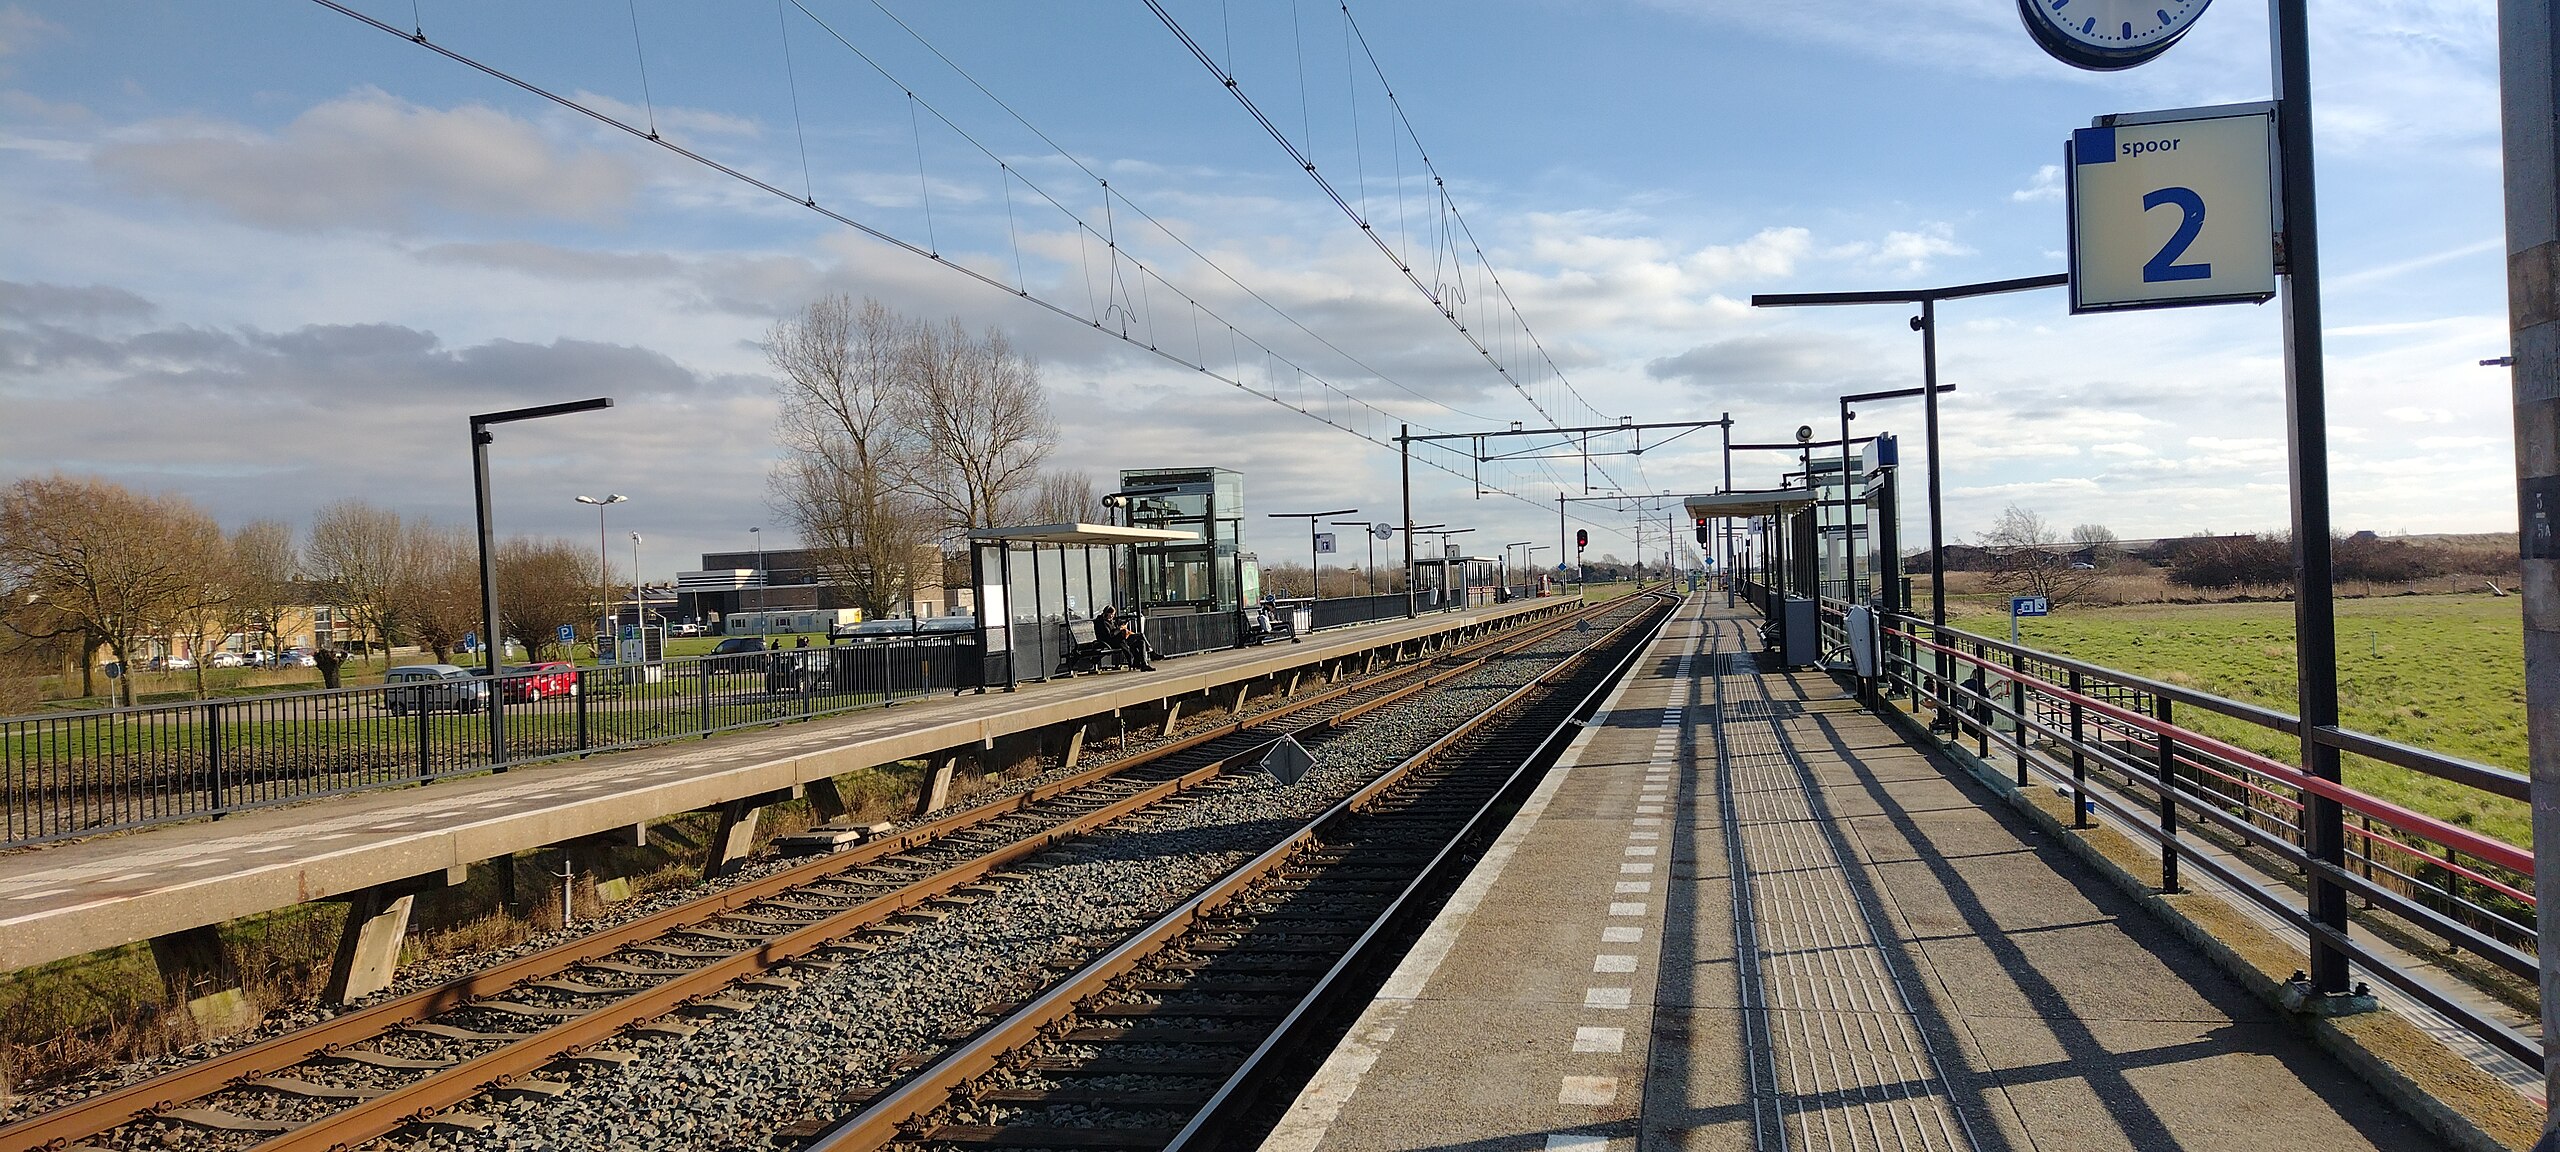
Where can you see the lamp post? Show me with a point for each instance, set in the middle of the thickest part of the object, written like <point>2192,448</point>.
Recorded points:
<point>1315,584</point>
<point>639,604</point>
<point>490,640</point>
<point>1926,324</point>
<point>1845,417</point>
<point>757,535</point>
<point>604,568</point>
<point>1372,569</point>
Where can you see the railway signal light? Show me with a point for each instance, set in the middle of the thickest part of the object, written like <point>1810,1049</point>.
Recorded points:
<point>1702,530</point>
<point>1581,539</point>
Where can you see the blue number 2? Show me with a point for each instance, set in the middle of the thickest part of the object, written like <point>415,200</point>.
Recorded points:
<point>2165,266</point>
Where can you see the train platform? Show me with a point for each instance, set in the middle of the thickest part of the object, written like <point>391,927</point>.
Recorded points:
<point>73,898</point>
<point>1744,913</point>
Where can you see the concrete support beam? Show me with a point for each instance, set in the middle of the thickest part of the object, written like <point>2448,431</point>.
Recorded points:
<point>1236,702</point>
<point>828,800</point>
<point>1074,752</point>
<point>936,789</point>
<point>734,839</point>
<point>369,947</point>
<point>198,975</point>
<point>1172,716</point>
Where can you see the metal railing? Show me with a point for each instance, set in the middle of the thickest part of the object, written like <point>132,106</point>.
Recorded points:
<point>80,773</point>
<point>2114,741</point>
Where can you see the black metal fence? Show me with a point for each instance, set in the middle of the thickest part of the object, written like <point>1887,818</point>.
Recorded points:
<point>79,773</point>
<point>2131,748</point>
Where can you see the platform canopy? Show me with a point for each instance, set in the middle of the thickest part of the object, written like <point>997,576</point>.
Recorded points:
<point>1083,534</point>
<point>1743,504</point>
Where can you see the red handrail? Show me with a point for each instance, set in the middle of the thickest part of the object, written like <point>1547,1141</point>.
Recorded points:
<point>2463,840</point>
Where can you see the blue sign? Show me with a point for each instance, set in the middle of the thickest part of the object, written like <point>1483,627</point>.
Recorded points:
<point>470,641</point>
<point>568,635</point>
<point>2030,606</point>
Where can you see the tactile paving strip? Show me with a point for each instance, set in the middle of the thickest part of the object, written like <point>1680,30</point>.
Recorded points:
<point>1836,1057</point>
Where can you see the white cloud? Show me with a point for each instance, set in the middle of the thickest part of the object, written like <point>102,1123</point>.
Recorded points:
<point>21,29</point>
<point>2045,187</point>
<point>2407,415</point>
<point>371,160</point>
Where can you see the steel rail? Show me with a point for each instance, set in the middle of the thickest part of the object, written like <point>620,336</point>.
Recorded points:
<point>98,1114</point>
<point>67,1126</point>
<point>885,1117</point>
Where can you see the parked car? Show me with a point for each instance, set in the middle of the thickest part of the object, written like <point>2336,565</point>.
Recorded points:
<point>228,660</point>
<point>432,688</point>
<point>688,628</point>
<point>735,655</point>
<point>526,683</point>
<point>296,658</point>
<point>177,664</point>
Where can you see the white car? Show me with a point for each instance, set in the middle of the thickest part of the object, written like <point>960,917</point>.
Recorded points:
<point>228,660</point>
<point>177,664</point>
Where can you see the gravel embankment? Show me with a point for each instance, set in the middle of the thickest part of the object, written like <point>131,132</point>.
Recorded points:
<point>790,1051</point>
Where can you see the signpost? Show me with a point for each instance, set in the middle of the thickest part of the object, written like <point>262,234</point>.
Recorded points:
<point>568,634</point>
<point>2173,208</point>
<point>2026,606</point>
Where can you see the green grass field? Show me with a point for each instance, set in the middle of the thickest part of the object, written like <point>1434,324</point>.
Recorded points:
<point>2444,673</point>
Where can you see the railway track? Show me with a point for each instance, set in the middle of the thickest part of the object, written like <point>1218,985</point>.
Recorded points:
<point>1184,1034</point>
<point>504,1030</point>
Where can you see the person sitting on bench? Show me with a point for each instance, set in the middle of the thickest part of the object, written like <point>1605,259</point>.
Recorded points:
<point>1116,633</point>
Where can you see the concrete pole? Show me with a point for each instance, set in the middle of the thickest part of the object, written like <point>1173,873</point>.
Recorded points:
<point>2530,80</point>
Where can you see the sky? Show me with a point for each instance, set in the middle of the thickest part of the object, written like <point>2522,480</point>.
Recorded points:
<point>266,255</point>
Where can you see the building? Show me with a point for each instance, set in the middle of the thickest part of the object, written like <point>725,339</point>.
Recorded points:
<point>787,580</point>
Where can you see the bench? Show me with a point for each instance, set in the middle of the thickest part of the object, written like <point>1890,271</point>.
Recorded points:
<point>1083,650</point>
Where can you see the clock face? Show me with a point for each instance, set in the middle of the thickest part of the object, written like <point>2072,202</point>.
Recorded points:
<point>2105,35</point>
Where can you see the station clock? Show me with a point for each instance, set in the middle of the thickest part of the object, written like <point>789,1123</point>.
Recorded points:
<point>2107,35</point>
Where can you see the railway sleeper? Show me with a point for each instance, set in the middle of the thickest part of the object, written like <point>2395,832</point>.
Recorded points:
<point>1092,1097</point>
<point>1262,1011</point>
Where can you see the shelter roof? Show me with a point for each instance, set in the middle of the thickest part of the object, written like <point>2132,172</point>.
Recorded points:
<point>1083,534</point>
<point>1770,503</point>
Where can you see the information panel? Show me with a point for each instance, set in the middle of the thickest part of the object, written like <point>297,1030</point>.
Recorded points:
<point>2173,212</point>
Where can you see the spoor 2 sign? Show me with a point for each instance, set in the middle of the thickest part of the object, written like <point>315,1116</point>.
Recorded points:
<point>2172,209</point>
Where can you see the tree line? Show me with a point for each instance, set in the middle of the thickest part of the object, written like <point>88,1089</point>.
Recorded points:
<point>89,566</point>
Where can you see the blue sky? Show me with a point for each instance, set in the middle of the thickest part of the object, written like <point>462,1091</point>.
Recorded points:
<point>267,256</point>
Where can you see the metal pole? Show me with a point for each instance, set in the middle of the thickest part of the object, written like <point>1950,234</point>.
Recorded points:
<point>1404,468</point>
<point>1728,486</point>
<point>2314,616</point>
<point>1928,325</point>
<point>1562,539</point>
<point>2529,72</point>
<point>1848,538</point>
<point>488,594</point>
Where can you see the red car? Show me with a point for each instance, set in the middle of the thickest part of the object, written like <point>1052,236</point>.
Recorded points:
<point>530,682</point>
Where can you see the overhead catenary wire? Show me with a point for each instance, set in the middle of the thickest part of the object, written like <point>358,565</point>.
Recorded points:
<point>649,134</point>
<point>1447,303</point>
<point>1140,211</point>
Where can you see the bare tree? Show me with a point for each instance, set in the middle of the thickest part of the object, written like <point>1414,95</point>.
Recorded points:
<point>1062,498</point>
<point>2027,558</point>
<point>113,566</point>
<point>543,584</point>
<point>2101,542</point>
<point>361,552</point>
<point>839,484</point>
<point>979,420</point>
<point>439,590</point>
<point>263,584</point>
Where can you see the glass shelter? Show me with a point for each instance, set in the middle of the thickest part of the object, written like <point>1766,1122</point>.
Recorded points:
<point>1034,582</point>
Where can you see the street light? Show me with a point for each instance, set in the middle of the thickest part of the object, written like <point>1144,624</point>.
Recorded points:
<point>639,604</point>
<point>604,569</point>
<point>490,641</point>
<point>757,534</point>
<point>1372,535</point>
<point>1315,586</point>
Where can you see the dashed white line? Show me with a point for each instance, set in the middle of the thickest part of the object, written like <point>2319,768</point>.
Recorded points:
<point>1599,1039</point>
<point>1613,962</point>
<point>1621,934</point>
<point>1592,1090</point>
<point>1626,908</point>
<point>1607,997</point>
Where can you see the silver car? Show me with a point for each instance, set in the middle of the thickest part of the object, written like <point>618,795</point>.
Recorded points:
<point>433,688</point>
